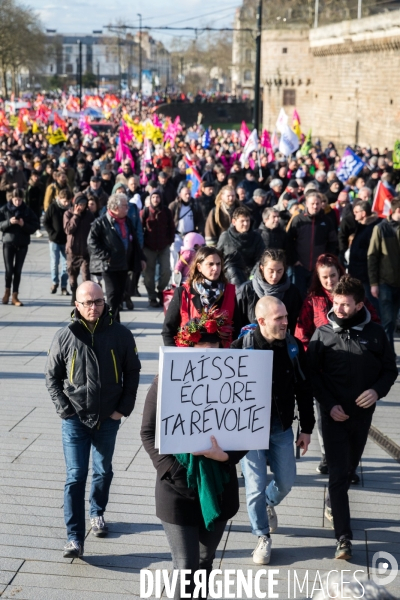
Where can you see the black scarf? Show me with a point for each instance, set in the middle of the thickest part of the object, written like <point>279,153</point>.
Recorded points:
<point>262,288</point>
<point>353,321</point>
<point>16,211</point>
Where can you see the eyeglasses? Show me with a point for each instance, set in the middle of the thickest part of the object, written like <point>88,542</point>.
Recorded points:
<point>89,303</point>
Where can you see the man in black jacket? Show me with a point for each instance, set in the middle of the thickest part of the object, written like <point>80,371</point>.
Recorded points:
<point>92,375</point>
<point>358,261</point>
<point>289,383</point>
<point>309,234</point>
<point>273,234</point>
<point>242,247</point>
<point>352,366</point>
<point>53,224</point>
<point>114,250</point>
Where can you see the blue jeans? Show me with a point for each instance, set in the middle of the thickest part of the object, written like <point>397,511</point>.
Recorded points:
<point>389,303</point>
<point>254,467</point>
<point>58,259</point>
<point>77,440</point>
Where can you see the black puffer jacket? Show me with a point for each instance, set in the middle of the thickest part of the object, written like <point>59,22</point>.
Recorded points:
<point>54,225</point>
<point>107,251</point>
<point>345,363</point>
<point>15,234</point>
<point>358,263</point>
<point>247,299</point>
<point>310,236</point>
<point>175,502</point>
<point>273,238</point>
<point>287,385</point>
<point>249,246</point>
<point>93,374</point>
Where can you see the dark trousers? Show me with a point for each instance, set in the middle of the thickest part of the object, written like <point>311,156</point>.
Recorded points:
<point>344,444</point>
<point>302,279</point>
<point>74,265</point>
<point>389,304</point>
<point>115,288</point>
<point>193,547</point>
<point>14,259</point>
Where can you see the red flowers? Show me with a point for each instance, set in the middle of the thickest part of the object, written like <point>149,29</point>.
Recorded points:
<point>214,321</point>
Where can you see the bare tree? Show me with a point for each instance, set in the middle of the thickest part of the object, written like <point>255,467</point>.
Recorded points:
<point>22,41</point>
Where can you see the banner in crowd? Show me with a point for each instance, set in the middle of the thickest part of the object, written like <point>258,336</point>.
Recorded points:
<point>207,391</point>
<point>349,166</point>
<point>251,146</point>
<point>382,204</point>
<point>396,155</point>
<point>289,142</point>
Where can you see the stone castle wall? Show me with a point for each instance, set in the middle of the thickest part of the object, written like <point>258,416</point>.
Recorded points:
<point>344,79</point>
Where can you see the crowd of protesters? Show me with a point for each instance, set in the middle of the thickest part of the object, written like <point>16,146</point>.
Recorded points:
<point>261,239</point>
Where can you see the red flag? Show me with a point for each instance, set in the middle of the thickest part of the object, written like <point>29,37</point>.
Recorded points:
<point>382,204</point>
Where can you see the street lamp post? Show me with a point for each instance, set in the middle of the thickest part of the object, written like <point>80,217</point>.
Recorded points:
<point>80,73</point>
<point>140,62</point>
<point>257,87</point>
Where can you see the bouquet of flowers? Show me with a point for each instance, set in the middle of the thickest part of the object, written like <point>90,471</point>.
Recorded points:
<point>214,322</point>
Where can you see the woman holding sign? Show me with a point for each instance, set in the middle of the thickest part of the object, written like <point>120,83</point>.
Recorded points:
<point>195,493</point>
<point>205,291</point>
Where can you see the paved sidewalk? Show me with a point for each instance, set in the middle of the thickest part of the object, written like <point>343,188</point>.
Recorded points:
<point>32,530</point>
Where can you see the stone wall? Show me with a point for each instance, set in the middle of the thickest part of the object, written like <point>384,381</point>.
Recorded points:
<point>345,78</point>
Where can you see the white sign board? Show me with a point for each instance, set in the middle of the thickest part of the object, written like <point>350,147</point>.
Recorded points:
<point>208,391</point>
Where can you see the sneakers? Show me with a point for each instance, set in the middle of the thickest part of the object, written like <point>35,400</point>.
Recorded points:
<point>65,292</point>
<point>262,552</point>
<point>323,467</point>
<point>272,520</point>
<point>329,515</point>
<point>53,288</point>
<point>38,233</point>
<point>343,549</point>
<point>99,527</point>
<point>73,549</point>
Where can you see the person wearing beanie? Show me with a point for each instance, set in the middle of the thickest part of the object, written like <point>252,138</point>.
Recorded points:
<point>159,233</point>
<point>77,221</point>
<point>191,243</point>
<point>256,207</point>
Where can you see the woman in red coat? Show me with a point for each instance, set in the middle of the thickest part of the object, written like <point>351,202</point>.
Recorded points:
<point>205,291</point>
<point>313,314</point>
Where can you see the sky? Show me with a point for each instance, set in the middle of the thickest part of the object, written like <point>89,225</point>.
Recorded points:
<point>83,16</point>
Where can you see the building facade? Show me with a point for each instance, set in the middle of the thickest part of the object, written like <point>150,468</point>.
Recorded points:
<point>113,59</point>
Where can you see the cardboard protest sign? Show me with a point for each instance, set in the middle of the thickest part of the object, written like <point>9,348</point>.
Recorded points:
<point>208,391</point>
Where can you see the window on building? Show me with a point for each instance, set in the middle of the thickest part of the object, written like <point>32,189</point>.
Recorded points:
<point>289,97</point>
<point>68,49</point>
<point>284,50</point>
<point>51,68</point>
<point>69,68</point>
<point>248,55</point>
<point>247,75</point>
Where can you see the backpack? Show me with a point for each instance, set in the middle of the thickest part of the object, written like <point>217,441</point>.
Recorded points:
<point>247,333</point>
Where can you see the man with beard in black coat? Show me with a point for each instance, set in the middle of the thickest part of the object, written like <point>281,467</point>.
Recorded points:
<point>242,247</point>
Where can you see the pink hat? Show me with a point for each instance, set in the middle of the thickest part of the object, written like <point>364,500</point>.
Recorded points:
<point>191,239</point>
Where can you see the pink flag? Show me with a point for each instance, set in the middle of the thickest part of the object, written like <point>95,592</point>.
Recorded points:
<point>126,133</point>
<point>244,133</point>
<point>156,121</point>
<point>266,143</point>
<point>84,125</point>
<point>123,153</point>
<point>296,117</point>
